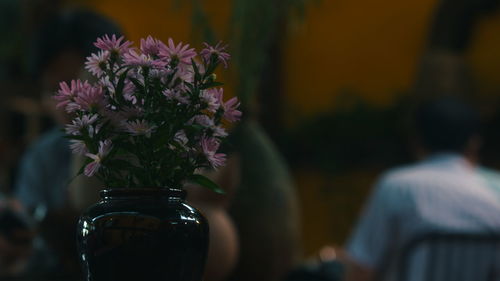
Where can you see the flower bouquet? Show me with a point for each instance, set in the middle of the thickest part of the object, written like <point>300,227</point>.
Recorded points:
<point>154,117</point>
<point>152,120</point>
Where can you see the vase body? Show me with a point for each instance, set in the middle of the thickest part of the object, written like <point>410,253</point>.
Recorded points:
<point>142,234</point>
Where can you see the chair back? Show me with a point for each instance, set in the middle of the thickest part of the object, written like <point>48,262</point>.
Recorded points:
<point>451,257</point>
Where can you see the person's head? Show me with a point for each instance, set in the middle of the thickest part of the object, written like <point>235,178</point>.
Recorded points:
<point>448,125</point>
<point>61,45</point>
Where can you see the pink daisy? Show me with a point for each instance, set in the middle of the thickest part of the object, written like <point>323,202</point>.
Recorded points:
<point>218,51</point>
<point>139,128</point>
<point>160,73</point>
<point>207,122</point>
<point>176,96</point>
<point>78,147</point>
<point>210,147</point>
<point>79,123</point>
<point>132,58</point>
<point>67,93</point>
<point>231,113</point>
<point>116,118</point>
<point>181,138</point>
<point>151,46</point>
<point>106,84</point>
<point>91,99</point>
<point>113,45</point>
<point>211,100</point>
<point>202,120</point>
<point>104,149</point>
<point>180,53</point>
<point>218,131</point>
<point>185,73</point>
<point>96,63</point>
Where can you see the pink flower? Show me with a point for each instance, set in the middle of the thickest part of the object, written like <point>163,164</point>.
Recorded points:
<point>106,84</point>
<point>210,147</point>
<point>181,140</point>
<point>113,45</point>
<point>96,63</point>
<point>117,118</point>
<point>152,46</point>
<point>91,99</point>
<point>160,73</point>
<point>231,113</point>
<point>78,147</point>
<point>80,123</point>
<point>178,54</point>
<point>132,58</point>
<point>218,51</point>
<point>104,149</point>
<point>208,123</point>
<point>185,73</point>
<point>176,96</point>
<point>139,128</point>
<point>131,112</point>
<point>202,120</point>
<point>67,93</point>
<point>211,100</point>
<point>218,131</point>
<point>128,88</point>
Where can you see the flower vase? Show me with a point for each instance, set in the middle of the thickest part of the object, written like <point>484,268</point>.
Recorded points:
<point>142,234</point>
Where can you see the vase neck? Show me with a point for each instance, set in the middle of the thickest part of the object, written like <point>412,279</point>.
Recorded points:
<point>135,193</point>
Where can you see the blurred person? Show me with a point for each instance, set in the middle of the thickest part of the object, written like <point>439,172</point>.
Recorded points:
<point>59,51</point>
<point>223,248</point>
<point>446,191</point>
<point>58,54</point>
<point>16,235</point>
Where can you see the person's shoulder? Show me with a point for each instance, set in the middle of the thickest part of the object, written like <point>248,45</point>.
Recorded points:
<point>48,143</point>
<point>489,172</point>
<point>491,176</point>
<point>405,173</point>
<point>51,138</point>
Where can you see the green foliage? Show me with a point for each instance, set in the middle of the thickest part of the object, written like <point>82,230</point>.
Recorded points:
<point>354,134</point>
<point>206,182</point>
<point>253,27</point>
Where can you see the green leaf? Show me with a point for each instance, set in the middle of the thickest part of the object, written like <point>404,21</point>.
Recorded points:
<point>80,171</point>
<point>206,182</point>
<point>120,86</point>
<point>211,85</point>
<point>197,76</point>
<point>119,164</point>
<point>137,84</point>
<point>212,65</point>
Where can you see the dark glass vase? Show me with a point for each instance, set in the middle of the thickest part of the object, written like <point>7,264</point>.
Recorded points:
<point>142,234</point>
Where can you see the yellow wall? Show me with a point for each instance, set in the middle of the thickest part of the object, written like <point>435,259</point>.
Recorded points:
<point>369,47</point>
